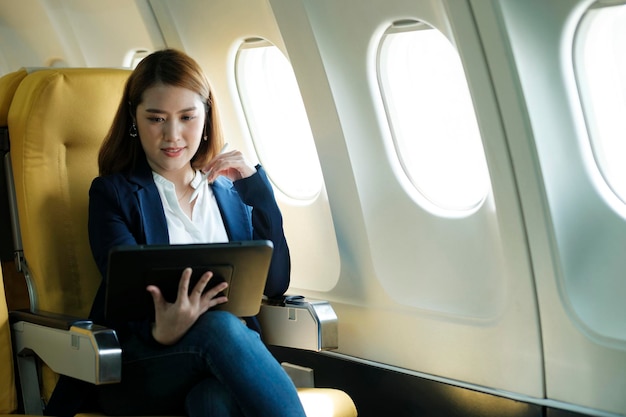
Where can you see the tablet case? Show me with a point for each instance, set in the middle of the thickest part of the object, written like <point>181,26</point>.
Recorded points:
<point>244,265</point>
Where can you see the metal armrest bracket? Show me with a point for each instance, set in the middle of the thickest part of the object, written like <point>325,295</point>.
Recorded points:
<point>294,321</point>
<point>78,349</point>
<point>84,351</point>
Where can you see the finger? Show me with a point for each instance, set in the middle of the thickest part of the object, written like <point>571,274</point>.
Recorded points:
<point>213,297</point>
<point>230,157</point>
<point>216,290</point>
<point>210,299</point>
<point>157,296</point>
<point>234,167</point>
<point>216,160</point>
<point>201,285</point>
<point>215,169</point>
<point>216,301</point>
<point>183,284</point>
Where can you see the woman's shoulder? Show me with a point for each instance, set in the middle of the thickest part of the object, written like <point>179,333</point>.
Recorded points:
<point>136,177</point>
<point>118,183</point>
<point>109,180</point>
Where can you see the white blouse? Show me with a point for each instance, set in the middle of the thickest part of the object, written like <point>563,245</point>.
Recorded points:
<point>206,224</point>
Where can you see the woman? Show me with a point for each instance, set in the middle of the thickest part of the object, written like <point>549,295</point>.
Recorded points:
<point>192,361</point>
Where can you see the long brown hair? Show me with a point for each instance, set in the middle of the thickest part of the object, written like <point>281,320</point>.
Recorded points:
<point>119,151</point>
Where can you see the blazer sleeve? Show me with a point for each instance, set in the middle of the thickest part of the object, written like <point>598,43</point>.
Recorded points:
<point>110,220</point>
<point>267,224</point>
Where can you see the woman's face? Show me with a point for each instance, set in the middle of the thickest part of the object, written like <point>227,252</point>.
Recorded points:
<point>170,122</point>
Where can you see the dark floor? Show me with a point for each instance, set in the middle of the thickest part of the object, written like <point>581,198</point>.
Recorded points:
<point>380,392</point>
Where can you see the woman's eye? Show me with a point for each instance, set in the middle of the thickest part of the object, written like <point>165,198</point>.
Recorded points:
<point>188,117</point>
<point>156,119</point>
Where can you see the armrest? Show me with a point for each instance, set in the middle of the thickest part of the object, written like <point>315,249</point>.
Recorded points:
<point>47,319</point>
<point>68,345</point>
<point>294,321</point>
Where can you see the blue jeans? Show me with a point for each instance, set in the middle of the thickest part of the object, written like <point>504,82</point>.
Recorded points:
<point>219,368</point>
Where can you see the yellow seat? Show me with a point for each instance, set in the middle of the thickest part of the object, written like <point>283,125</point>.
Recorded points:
<point>8,85</point>
<point>8,397</point>
<point>57,120</point>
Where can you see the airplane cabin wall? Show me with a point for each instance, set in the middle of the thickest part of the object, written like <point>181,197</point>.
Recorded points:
<point>575,224</point>
<point>37,33</point>
<point>424,292</point>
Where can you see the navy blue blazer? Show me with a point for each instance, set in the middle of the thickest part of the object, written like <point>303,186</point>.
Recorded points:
<point>126,209</point>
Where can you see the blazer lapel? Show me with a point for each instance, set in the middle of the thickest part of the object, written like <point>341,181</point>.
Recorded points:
<point>155,225</point>
<point>150,206</point>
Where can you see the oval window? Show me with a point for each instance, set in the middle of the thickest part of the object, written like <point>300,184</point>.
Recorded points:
<point>277,119</point>
<point>432,118</point>
<point>601,75</point>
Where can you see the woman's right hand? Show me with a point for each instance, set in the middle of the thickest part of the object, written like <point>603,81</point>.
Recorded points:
<point>173,320</point>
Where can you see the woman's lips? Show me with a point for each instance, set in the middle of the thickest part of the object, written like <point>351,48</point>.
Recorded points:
<point>172,151</point>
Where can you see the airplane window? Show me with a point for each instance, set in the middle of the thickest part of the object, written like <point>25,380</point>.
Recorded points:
<point>601,74</point>
<point>277,120</point>
<point>432,117</point>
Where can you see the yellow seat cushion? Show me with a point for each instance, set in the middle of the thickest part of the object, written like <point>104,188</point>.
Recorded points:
<point>326,402</point>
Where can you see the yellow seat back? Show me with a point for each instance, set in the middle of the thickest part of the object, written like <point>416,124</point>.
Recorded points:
<point>8,85</point>
<point>57,120</point>
<point>8,399</point>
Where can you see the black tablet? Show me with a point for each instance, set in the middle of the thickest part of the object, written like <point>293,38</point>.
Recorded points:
<point>244,265</point>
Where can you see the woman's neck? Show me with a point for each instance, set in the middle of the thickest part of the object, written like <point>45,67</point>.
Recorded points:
<point>181,178</point>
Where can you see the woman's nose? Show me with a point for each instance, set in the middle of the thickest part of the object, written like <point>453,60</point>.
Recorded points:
<point>171,131</point>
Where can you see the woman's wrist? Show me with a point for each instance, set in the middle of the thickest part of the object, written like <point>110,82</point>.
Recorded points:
<point>163,339</point>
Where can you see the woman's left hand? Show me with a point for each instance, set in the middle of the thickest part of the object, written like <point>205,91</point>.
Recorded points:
<point>229,164</point>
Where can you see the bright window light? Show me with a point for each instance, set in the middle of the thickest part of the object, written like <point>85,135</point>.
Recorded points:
<point>432,117</point>
<point>601,76</point>
<point>277,120</point>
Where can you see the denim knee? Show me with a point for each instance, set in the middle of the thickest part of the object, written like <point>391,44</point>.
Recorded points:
<point>229,329</point>
<point>218,321</point>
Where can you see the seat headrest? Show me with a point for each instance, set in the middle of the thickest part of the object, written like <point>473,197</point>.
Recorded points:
<point>8,85</point>
<point>82,97</point>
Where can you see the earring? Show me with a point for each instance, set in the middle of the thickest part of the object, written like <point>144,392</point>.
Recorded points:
<point>133,131</point>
